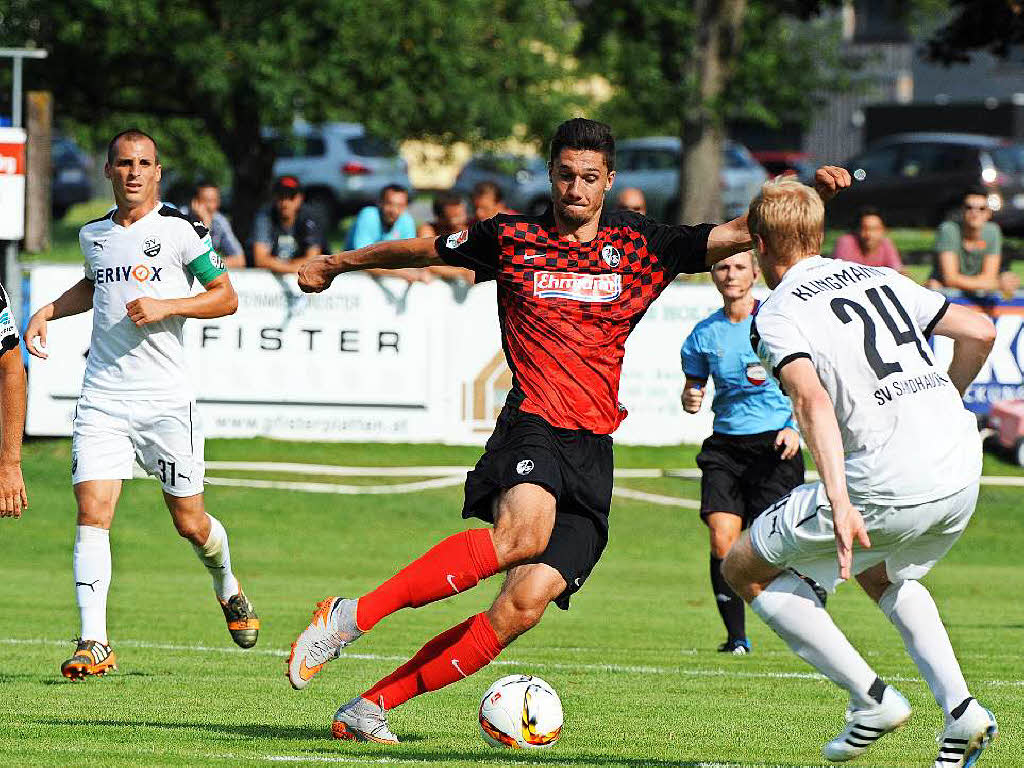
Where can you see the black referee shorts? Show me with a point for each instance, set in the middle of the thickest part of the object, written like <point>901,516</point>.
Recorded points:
<point>573,464</point>
<point>743,474</point>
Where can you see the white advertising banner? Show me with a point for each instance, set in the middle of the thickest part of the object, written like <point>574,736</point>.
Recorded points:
<point>374,360</point>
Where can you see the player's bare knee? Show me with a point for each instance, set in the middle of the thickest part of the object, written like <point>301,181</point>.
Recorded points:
<point>721,543</point>
<point>521,544</point>
<point>512,615</point>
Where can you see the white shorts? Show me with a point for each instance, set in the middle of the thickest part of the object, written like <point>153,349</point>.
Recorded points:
<point>796,532</point>
<point>164,436</point>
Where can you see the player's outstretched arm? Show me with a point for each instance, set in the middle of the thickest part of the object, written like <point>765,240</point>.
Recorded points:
<point>74,301</point>
<point>219,299</point>
<point>817,419</point>
<point>317,273</point>
<point>13,497</point>
<point>734,237</point>
<point>973,335</point>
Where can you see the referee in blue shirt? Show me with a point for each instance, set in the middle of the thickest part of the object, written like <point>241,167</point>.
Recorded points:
<point>752,458</point>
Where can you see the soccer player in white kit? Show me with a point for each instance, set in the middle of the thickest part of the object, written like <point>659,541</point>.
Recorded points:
<point>137,402</point>
<point>900,464</point>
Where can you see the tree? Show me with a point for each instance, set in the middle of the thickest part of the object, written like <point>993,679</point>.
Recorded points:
<point>475,70</point>
<point>688,67</point>
<point>995,26</point>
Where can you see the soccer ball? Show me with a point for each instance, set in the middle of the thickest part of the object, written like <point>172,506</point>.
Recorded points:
<point>521,712</point>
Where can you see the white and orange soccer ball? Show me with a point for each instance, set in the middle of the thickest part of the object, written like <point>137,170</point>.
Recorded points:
<point>521,712</point>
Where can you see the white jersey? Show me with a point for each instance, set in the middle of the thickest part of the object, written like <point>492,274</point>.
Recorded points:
<point>907,437</point>
<point>151,257</point>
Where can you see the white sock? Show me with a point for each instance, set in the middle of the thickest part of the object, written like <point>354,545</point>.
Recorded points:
<point>912,611</point>
<point>92,580</point>
<point>216,556</point>
<point>791,609</point>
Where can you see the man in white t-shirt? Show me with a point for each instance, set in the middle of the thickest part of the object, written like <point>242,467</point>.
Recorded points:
<point>137,402</point>
<point>900,463</point>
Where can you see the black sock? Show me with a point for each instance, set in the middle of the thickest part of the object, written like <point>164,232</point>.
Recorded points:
<point>730,606</point>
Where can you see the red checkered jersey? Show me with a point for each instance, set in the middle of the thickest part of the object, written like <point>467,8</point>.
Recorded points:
<point>566,307</point>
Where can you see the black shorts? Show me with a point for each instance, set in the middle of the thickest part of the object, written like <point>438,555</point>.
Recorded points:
<point>743,474</point>
<point>575,465</point>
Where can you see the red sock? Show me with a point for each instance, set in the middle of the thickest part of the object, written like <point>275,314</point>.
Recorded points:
<point>454,565</point>
<point>449,657</point>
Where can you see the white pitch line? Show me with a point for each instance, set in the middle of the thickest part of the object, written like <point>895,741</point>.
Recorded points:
<point>346,490</point>
<point>333,470</point>
<point>655,498</point>
<point>613,668</point>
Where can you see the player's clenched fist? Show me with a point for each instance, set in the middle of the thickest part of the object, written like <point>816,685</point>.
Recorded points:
<point>314,275</point>
<point>35,335</point>
<point>830,179</point>
<point>146,310</point>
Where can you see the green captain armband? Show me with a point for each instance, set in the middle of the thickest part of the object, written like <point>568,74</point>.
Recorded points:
<point>207,267</point>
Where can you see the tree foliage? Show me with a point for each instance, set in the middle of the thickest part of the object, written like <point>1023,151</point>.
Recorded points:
<point>995,26</point>
<point>474,70</point>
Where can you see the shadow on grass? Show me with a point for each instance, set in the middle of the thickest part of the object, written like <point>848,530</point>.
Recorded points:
<point>401,753</point>
<point>246,731</point>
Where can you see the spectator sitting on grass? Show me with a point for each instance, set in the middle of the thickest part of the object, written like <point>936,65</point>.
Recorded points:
<point>869,244</point>
<point>283,235</point>
<point>205,206</point>
<point>969,254</point>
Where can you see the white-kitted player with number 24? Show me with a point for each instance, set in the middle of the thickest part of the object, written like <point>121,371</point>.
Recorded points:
<point>137,402</point>
<point>900,463</point>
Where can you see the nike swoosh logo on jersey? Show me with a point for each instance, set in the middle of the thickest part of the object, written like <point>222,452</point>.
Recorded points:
<point>529,256</point>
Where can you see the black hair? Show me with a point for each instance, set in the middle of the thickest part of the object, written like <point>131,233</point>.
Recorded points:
<point>130,133</point>
<point>868,210</point>
<point>488,188</point>
<point>583,134</point>
<point>443,200</point>
<point>975,190</point>
<point>394,188</point>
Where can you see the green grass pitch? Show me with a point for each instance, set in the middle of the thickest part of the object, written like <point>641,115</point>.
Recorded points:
<point>633,660</point>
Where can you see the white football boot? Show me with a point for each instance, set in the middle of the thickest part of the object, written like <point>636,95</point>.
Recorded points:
<point>333,627</point>
<point>865,726</point>
<point>965,738</point>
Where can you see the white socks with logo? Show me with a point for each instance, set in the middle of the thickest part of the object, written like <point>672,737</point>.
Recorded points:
<point>216,556</point>
<point>790,607</point>
<point>92,580</point>
<point>912,611</point>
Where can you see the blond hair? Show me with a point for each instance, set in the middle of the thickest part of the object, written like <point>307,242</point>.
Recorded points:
<point>789,217</point>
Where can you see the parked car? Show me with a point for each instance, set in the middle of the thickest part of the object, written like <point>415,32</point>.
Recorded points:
<point>918,179</point>
<point>523,179</point>
<point>341,167</point>
<point>652,164</point>
<point>71,169</point>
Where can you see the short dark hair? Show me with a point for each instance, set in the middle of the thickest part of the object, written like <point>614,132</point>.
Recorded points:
<point>444,200</point>
<point>203,184</point>
<point>581,133</point>
<point>482,188</point>
<point>868,210</point>
<point>394,188</point>
<point>130,133</point>
<point>975,190</point>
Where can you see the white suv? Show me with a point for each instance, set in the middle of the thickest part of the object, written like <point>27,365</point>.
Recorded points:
<point>340,167</point>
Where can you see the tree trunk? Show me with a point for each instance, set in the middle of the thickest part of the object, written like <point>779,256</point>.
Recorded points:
<point>252,163</point>
<point>703,128</point>
<point>38,201</point>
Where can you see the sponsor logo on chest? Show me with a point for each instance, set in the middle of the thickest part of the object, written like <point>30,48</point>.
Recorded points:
<point>140,273</point>
<point>577,287</point>
<point>756,374</point>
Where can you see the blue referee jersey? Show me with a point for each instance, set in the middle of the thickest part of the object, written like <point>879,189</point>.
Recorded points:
<point>747,400</point>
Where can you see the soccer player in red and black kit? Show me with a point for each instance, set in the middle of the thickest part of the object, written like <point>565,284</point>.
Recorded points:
<point>572,284</point>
